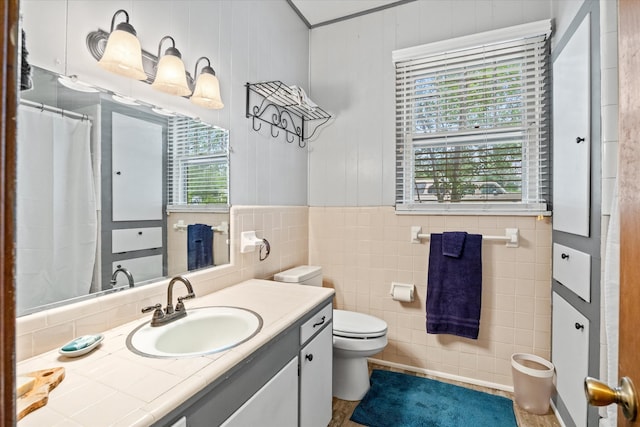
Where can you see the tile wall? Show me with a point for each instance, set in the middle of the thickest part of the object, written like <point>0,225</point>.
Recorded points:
<point>363,249</point>
<point>286,228</point>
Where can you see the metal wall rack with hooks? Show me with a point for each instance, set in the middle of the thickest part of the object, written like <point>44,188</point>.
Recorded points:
<point>279,106</point>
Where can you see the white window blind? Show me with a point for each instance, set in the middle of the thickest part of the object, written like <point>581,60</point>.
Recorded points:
<point>198,164</point>
<point>472,122</point>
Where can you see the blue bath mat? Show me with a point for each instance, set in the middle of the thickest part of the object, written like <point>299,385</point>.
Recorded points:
<point>400,400</point>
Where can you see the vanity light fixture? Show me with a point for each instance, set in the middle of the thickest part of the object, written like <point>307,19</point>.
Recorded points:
<point>163,112</point>
<point>126,100</point>
<point>73,83</point>
<point>171,76</point>
<point>207,91</point>
<point>123,54</point>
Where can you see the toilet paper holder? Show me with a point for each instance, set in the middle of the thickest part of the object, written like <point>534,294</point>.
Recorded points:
<point>402,291</point>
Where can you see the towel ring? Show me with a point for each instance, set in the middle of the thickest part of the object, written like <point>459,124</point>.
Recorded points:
<point>265,244</point>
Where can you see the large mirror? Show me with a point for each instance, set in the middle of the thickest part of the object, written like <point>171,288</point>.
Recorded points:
<point>112,193</point>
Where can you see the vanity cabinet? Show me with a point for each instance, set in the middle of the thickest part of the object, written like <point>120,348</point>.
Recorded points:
<point>275,386</point>
<point>316,360</point>
<point>316,368</point>
<point>274,403</point>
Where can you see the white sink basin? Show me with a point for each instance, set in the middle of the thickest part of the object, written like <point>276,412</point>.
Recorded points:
<point>204,330</point>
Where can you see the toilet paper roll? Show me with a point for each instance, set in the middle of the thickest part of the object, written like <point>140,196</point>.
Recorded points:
<point>404,294</point>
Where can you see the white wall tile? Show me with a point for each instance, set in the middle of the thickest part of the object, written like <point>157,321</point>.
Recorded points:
<point>288,236</point>
<point>515,306</point>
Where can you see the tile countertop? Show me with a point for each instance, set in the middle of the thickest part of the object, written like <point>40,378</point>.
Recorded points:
<point>112,386</point>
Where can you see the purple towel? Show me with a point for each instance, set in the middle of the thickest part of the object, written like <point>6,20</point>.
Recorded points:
<point>454,288</point>
<point>453,243</point>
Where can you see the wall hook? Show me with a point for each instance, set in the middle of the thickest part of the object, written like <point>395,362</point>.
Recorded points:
<point>253,125</point>
<point>287,138</point>
<point>276,135</point>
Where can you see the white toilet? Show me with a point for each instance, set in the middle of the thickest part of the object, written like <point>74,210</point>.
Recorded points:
<point>356,336</point>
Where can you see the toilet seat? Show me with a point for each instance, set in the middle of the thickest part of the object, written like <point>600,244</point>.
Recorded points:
<point>349,324</point>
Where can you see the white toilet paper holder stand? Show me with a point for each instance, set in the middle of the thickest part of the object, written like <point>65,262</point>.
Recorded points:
<point>402,286</point>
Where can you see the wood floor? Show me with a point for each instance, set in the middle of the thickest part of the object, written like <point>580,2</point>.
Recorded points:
<point>342,409</point>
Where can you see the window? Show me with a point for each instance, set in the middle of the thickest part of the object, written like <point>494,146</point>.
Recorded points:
<point>472,122</point>
<point>198,165</point>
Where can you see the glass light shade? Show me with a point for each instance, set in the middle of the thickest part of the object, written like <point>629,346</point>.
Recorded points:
<point>207,92</point>
<point>123,55</point>
<point>171,76</point>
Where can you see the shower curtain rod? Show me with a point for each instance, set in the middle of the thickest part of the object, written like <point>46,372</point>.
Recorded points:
<point>65,113</point>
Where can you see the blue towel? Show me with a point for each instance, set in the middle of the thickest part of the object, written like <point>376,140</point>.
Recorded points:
<point>453,243</point>
<point>454,288</point>
<point>199,246</point>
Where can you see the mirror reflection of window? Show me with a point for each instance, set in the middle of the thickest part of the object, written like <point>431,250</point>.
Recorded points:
<point>53,181</point>
<point>198,164</point>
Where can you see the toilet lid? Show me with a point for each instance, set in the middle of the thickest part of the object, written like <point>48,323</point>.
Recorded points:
<point>357,325</point>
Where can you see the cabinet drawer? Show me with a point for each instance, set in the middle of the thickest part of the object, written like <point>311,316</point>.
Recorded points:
<point>572,268</point>
<point>315,324</point>
<point>143,268</point>
<point>135,239</point>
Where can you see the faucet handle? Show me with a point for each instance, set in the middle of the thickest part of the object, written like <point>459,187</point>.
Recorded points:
<point>187,296</point>
<point>158,314</point>
<point>180,305</point>
<point>151,308</point>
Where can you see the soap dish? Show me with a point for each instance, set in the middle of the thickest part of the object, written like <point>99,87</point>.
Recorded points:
<point>81,345</point>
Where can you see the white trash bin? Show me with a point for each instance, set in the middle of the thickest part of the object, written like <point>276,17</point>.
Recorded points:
<point>532,382</point>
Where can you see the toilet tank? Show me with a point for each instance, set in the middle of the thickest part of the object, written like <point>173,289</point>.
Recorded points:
<point>304,274</point>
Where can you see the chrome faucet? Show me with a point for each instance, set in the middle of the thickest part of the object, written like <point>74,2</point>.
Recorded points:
<point>115,274</point>
<point>161,317</point>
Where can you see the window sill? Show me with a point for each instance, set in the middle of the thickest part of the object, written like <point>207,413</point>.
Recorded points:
<point>197,208</point>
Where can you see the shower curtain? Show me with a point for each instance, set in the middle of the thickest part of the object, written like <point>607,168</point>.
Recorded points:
<point>56,209</point>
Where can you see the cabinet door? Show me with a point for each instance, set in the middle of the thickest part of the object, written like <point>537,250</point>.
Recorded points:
<point>137,169</point>
<point>316,360</point>
<point>571,134</point>
<point>570,356</point>
<point>274,405</point>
